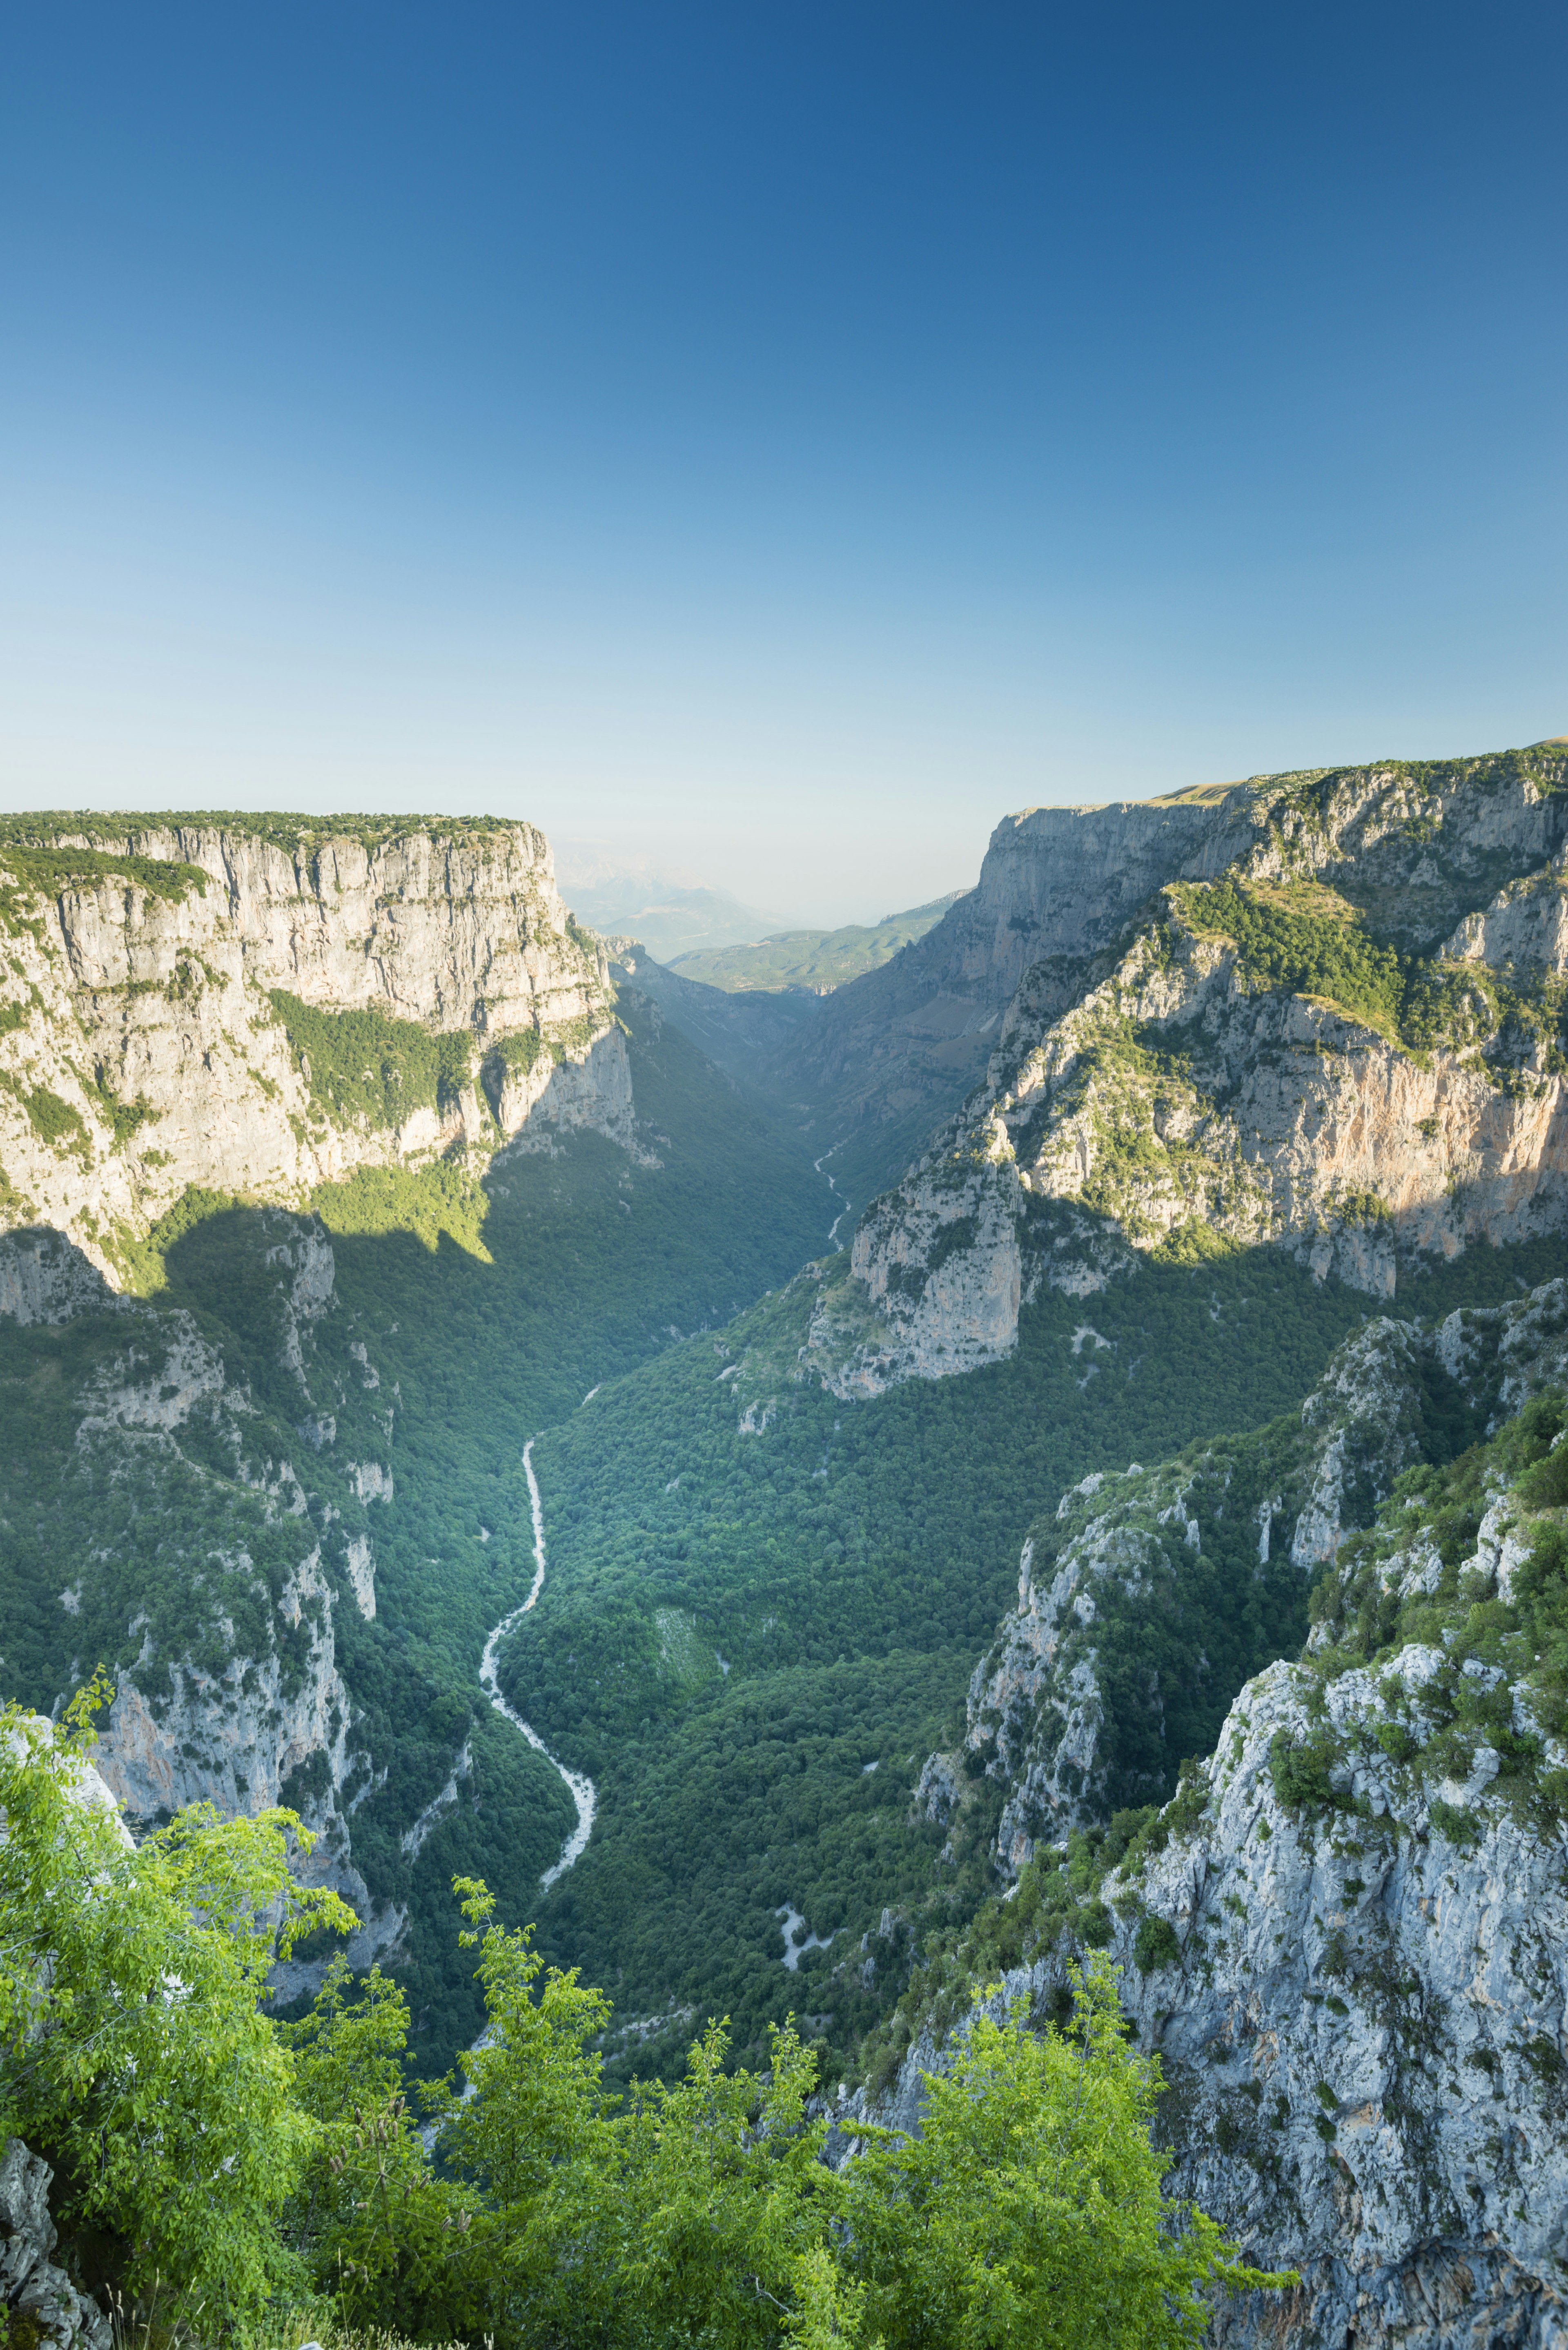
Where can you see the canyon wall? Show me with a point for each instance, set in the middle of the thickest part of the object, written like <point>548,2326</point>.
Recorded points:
<point>254,1006</point>
<point>899,1048</point>
<point>1344,1936</point>
<point>1350,1046</point>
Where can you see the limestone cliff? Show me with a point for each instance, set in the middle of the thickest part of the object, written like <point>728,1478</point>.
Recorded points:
<point>1347,1042</point>
<point>1359,2006</point>
<point>1072,1711</point>
<point>257,1005</point>
<point>40,2302</point>
<point>1345,1935</point>
<point>201,1545</point>
<point>886,1058</point>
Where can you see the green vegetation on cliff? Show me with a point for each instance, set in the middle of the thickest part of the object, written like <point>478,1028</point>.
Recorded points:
<point>364,1066</point>
<point>1495,1615</point>
<point>1304,939</point>
<point>33,867</point>
<point>49,832</point>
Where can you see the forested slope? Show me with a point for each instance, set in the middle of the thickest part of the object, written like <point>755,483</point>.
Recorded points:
<point>757,1592</point>
<point>317,1412</point>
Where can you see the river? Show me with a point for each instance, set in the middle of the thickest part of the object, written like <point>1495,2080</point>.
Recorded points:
<point>580,1788</point>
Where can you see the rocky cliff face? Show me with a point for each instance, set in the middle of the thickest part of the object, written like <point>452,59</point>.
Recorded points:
<point>1348,1043</point>
<point>1345,1935</point>
<point>39,2300</point>
<point>897,1050</point>
<point>252,1006</point>
<point>1073,1712</point>
<point>204,1547</point>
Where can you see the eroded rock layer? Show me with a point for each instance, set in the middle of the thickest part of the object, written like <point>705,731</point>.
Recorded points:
<point>257,1005</point>
<point>1334,1027</point>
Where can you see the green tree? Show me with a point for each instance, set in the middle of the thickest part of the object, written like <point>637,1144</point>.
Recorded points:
<point>701,2215</point>
<point>534,2135</point>
<point>1030,2212</point>
<point>135,2053</point>
<point>381,2231</point>
<point>722,2205</point>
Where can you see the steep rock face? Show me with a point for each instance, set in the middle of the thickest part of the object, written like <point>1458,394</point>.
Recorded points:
<point>587,1084</point>
<point>38,2298</point>
<point>1360,2013</point>
<point>1350,1046</point>
<point>214,1004</point>
<point>204,1566</point>
<point>1362,2021</point>
<point>1072,1712</point>
<point>1346,1935</point>
<point>44,1279</point>
<point>1055,885</point>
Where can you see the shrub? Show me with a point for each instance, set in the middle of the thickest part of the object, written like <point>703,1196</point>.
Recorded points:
<point>1156,1945</point>
<point>1030,2209</point>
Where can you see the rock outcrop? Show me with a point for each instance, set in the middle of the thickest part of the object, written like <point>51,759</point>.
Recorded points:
<point>1077,1709</point>
<point>257,1005</point>
<point>1343,1043</point>
<point>41,2303</point>
<point>1345,1934</point>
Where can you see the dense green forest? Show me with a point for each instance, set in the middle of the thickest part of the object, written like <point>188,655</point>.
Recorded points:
<point>481,1310</point>
<point>751,1639</point>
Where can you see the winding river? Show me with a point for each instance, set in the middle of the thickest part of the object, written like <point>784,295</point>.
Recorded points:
<point>579,1786</point>
<point>581,1789</point>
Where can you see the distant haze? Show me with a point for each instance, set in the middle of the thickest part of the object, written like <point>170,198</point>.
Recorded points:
<point>816,960</point>
<point>673,912</point>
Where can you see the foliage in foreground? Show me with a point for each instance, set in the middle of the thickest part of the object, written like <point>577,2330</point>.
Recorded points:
<point>244,2162</point>
<point>130,1981</point>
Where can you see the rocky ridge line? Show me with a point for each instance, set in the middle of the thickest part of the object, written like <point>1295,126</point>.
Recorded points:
<point>1160,1090</point>
<point>177,999</point>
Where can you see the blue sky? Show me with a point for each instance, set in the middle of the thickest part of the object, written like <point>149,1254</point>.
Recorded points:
<point>775,441</point>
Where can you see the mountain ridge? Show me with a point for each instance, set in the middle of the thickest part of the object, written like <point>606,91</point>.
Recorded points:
<point>1350,1049</point>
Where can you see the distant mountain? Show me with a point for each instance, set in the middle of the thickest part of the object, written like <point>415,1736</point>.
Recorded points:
<point>740,1030</point>
<point>670,914</point>
<point>819,961</point>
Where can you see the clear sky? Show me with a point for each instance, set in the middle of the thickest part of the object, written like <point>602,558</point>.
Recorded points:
<point>777,439</point>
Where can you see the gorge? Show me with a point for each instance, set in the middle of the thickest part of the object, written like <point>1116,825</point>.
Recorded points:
<point>367,1217</point>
